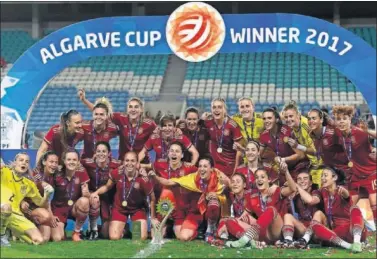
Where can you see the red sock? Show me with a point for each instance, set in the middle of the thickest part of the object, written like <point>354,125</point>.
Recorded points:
<point>234,228</point>
<point>323,233</point>
<point>267,217</point>
<point>357,221</point>
<point>213,211</point>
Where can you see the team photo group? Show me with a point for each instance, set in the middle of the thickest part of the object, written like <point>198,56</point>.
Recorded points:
<point>276,178</point>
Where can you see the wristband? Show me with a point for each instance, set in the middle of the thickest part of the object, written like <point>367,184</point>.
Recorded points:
<point>301,147</point>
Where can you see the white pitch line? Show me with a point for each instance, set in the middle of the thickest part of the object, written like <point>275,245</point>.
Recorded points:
<point>149,250</point>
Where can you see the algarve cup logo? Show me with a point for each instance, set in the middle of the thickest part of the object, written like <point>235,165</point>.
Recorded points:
<point>195,31</point>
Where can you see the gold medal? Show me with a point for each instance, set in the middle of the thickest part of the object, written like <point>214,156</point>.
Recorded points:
<point>350,164</point>
<point>219,150</point>
<point>124,203</point>
<point>285,139</point>
<point>70,202</point>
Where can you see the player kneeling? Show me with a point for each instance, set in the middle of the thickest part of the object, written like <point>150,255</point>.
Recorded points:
<point>14,188</point>
<point>130,197</point>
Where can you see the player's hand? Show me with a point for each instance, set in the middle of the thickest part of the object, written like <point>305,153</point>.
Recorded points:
<point>277,160</point>
<point>206,116</point>
<point>152,173</point>
<point>373,154</point>
<point>81,94</point>
<point>143,174</point>
<point>93,197</point>
<point>244,217</point>
<point>211,195</point>
<point>238,147</point>
<point>292,142</point>
<point>25,207</point>
<point>283,165</point>
<point>155,222</point>
<point>342,191</point>
<point>48,189</point>
<point>181,123</point>
<point>54,222</point>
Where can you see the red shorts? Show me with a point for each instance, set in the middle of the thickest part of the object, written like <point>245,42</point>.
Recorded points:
<point>344,232</point>
<point>369,184</point>
<point>118,216</point>
<point>63,213</point>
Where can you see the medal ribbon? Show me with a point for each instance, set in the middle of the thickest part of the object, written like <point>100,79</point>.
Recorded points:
<point>329,210</point>
<point>263,204</point>
<point>220,141</point>
<point>72,186</point>
<point>203,185</point>
<point>131,137</point>
<point>164,149</point>
<point>94,134</point>
<point>348,147</point>
<point>97,173</point>
<point>238,206</point>
<point>319,149</point>
<point>125,198</point>
<point>252,129</point>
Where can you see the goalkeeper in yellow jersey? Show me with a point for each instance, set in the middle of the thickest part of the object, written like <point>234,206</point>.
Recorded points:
<point>15,186</point>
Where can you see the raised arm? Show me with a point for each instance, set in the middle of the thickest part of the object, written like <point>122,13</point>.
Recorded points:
<point>194,154</point>
<point>307,197</point>
<point>81,95</point>
<point>286,191</point>
<point>141,154</point>
<point>163,181</point>
<point>41,150</point>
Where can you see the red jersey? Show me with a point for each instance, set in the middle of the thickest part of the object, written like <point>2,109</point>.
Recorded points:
<point>305,211</point>
<point>162,169</point>
<point>199,139</point>
<point>239,205</point>
<point>53,139</point>
<point>156,143</point>
<point>357,149</point>
<point>134,192</point>
<point>39,177</point>
<point>91,137</point>
<point>283,149</point>
<point>132,138</point>
<point>257,205</point>
<point>337,208</point>
<point>66,190</point>
<point>98,176</point>
<point>329,148</point>
<point>228,133</point>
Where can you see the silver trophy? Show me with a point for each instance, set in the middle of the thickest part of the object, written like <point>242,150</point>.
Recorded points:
<point>164,207</point>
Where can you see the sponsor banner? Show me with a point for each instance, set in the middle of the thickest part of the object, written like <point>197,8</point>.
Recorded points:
<point>196,34</point>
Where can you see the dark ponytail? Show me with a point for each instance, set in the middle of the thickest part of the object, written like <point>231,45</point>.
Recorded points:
<point>64,118</point>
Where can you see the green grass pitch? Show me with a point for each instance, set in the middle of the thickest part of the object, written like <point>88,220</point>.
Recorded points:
<point>172,249</point>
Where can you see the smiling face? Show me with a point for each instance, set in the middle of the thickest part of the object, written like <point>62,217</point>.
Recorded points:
<point>343,122</point>
<point>251,152</point>
<point>218,110</point>
<point>167,129</point>
<point>237,184</point>
<point>21,164</point>
<point>51,164</point>
<point>261,179</point>
<point>328,178</point>
<point>204,169</point>
<point>71,161</point>
<point>134,110</point>
<point>314,120</point>
<point>303,180</point>
<point>102,154</point>
<point>292,118</point>
<point>269,120</point>
<point>192,120</point>
<point>99,116</point>
<point>246,109</point>
<point>130,162</point>
<point>175,153</point>
<point>74,125</point>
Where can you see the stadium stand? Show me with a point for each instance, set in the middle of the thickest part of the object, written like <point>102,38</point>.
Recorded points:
<point>270,78</point>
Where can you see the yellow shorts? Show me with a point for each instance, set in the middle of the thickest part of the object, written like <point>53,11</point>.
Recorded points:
<point>316,176</point>
<point>18,224</point>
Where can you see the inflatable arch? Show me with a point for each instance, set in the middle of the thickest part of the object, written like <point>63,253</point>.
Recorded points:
<point>336,46</point>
